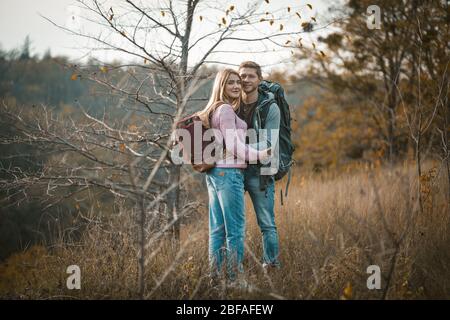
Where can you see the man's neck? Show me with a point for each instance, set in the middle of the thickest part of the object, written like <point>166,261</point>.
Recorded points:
<point>251,97</point>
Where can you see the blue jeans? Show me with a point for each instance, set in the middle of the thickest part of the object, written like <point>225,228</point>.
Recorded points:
<point>263,203</point>
<point>226,219</point>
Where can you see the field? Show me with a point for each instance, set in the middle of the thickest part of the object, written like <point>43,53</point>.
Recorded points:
<point>332,226</point>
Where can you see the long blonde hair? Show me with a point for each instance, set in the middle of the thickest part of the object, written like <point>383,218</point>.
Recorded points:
<point>219,97</point>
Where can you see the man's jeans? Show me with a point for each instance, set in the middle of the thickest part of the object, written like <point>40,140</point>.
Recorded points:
<point>226,219</point>
<point>263,203</point>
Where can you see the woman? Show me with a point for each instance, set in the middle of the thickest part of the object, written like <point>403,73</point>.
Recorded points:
<point>225,181</point>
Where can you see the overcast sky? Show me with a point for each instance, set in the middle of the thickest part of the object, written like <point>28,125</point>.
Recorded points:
<point>19,18</point>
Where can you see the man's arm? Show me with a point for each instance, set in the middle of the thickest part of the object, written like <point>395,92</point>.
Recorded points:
<point>272,122</point>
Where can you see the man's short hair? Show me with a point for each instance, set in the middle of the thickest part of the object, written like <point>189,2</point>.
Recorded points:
<point>251,64</point>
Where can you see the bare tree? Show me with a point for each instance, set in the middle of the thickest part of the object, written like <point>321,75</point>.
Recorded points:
<point>167,46</point>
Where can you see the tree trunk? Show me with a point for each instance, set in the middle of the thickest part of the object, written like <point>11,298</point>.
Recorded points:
<point>141,243</point>
<point>173,202</point>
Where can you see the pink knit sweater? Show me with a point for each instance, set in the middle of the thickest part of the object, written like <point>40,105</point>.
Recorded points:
<point>233,130</point>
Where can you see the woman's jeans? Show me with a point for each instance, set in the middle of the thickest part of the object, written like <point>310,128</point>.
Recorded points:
<point>226,220</point>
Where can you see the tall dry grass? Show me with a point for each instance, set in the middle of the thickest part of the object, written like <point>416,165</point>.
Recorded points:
<point>332,226</point>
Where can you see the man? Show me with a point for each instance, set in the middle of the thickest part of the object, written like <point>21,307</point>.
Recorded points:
<point>261,187</point>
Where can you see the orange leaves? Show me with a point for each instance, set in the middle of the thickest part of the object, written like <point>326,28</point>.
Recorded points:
<point>74,77</point>
<point>132,128</point>
<point>111,16</point>
<point>231,8</point>
<point>348,291</point>
<point>122,147</point>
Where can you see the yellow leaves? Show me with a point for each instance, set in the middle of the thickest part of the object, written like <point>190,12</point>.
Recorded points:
<point>112,14</point>
<point>122,147</point>
<point>310,6</point>
<point>281,27</point>
<point>231,8</point>
<point>104,69</point>
<point>74,77</point>
<point>200,18</point>
<point>305,24</point>
<point>348,291</point>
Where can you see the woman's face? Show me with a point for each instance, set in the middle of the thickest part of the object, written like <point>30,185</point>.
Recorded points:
<point>233,87</point>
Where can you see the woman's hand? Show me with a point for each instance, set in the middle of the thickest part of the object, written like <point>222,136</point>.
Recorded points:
<point>265,154</point>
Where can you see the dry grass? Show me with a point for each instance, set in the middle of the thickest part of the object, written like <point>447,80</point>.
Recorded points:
<point>331,227</point>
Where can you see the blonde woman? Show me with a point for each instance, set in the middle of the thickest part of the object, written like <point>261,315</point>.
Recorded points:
<point>225,181</point>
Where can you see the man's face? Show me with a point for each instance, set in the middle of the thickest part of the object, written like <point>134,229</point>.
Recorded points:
<point>250,79</point>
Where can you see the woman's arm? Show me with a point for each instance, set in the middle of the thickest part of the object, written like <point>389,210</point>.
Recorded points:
<point>233,141</point>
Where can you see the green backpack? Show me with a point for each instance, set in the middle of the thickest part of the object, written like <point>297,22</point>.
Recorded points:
<point>286,147</point>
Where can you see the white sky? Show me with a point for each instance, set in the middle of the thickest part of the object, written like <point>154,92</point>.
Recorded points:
<point>19,18</point>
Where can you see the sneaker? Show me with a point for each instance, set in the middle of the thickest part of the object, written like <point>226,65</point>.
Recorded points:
<point>266,265</point>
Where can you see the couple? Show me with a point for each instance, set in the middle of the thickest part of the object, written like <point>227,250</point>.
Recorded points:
<point>236,104</point>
